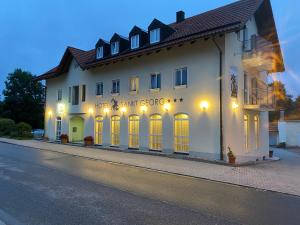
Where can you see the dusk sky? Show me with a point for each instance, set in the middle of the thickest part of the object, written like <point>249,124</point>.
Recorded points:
<point>34,34</point>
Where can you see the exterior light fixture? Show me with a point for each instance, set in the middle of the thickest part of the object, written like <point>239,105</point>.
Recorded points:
<point>50,113</point>
<point>144,108</point>
<point>106,110</point>
<point>204,105</point>
<point>167,107</point>
<point>60,108</point>
<point>234,105</point>
<point>91,111</point>
<point>123,109</point>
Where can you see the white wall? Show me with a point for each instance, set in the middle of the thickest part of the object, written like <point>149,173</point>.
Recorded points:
<point>289,132</point>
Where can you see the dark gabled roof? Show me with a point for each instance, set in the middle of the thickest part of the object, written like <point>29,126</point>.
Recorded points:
<point>229,18</point>
<point>101,42</point>
<point>136,30</point>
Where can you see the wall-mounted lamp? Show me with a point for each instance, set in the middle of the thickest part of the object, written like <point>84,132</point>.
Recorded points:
<point>106,110</point>
<point>167,107</point>
<point>144,108</point>
<point>91,111</point>
<point>60,108</point>
<point>123,109</point>
<point>50,113</point>
<point>204,105</point>
<point>234,105</point>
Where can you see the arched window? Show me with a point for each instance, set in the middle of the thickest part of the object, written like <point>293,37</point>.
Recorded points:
<point>115,131</point>
<point>256,131</point>
<point>246,131</point>
<point>181,133</point>
<point>98,130</point>
<point>133,131</point>
<point>58,128</point>
<point>155,131</point>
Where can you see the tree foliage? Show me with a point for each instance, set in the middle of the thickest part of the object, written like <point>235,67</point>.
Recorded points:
<point>23,99</point>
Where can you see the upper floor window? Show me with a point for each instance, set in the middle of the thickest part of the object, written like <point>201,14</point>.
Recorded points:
<point>59,95</point>
<point>115,87</point>
<point>155,81</point>
<point>181,77</point>
<point>83,97</point>
<point>100,52</point>
<point>75,95</point>
<point>99,89</point>
<point>133,84</point>
<point>70,94</point>
<point>155,36</point>
<point>135,41</point>
<point>115,47</point>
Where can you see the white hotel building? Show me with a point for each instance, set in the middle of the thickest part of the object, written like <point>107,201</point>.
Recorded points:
<point>192,87</point>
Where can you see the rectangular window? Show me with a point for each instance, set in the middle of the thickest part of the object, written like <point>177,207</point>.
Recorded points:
<point>59,95</point>
<point>115,87</point>
<point>70,94</point>
<point>83,97</point>
<point>133,84</point>
<point>115,130</point>
<point>114,47</point>
<point>75,95</point>
<point>135,41</point>
<point>181,77</point>
<point>133,131</point>
<point>99,89</point>
<point>100,52</point>
<point>155,81</point>
<point>155,36</point>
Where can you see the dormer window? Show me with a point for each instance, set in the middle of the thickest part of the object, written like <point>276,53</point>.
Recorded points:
<point>100,52</point>
<point>115,47</point>
<point>155,36</point>
<point>135,41</point>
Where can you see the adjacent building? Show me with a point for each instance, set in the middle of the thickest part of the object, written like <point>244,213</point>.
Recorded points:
<point>194,87</point>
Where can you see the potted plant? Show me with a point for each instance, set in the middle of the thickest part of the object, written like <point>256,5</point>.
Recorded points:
<point>88,141</point>
<point>271,153</point>
<point>64,138</point>
<point>231,156</point>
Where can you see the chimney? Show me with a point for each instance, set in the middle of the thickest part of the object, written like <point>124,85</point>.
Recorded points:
<point>180,16</point>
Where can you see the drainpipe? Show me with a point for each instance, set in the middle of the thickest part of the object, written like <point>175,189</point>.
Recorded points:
<point>221,98</point>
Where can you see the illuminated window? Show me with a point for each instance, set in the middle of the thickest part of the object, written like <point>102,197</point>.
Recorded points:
<point>246,131</point>
<point>256,131</point>
<point>58,128</point>
<point>155,131</point>
<point>181,133</point>
<point>133,131</point>
<point>98,130</point>
<point>133,84</point>
<point>115,130</point>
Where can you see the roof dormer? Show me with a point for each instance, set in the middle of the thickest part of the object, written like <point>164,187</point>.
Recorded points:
<point>102,49</point>
<point>158,31</point>
<point>137,37</point>
<point>118,44</point>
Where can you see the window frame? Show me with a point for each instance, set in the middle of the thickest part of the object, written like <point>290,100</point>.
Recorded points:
<point>115,136</point>
<point>117,92</point>
<point>155,35</point>
<point>115,47</point>
<point>133,131</point>
<point>181,84</point>
<point>135,41</point>
<point>155,139</point>
<point>83,93</point>
<point>136,79</point>
<point>179,140</point>
<point>59,95</point>
<point>75,95</point>
<point>99,84</point>
<point>100,52</point>
<point>157,87</point>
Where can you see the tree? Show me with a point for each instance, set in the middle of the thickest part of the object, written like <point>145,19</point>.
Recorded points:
<point>23,99</point>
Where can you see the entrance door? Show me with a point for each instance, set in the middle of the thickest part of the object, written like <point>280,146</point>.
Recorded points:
<point>133,130</point>
<point>76,129</point>
<point>99,130</point>
<point>58,128</point>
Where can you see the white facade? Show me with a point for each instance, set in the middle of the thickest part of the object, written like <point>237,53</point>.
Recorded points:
<point>201,59</point>
<point>289,132</point>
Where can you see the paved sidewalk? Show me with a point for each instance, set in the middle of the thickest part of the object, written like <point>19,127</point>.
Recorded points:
<point>281,176</point>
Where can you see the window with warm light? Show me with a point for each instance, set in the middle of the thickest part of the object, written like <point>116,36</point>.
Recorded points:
<point>98,130</point>
<point>256,131</point>
<point>115,130</point>
<point>155,132</point>
<point>133,131</point>
<point>181,133</point>
<point>133,84</point>
<point>246,131</point>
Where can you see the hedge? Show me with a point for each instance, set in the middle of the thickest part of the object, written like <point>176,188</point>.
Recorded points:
<point>6,126</point>
<point>24,130</point>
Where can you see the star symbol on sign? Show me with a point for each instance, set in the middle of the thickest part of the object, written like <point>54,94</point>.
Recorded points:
<point>181,99</point>
<point>169,100</point>
<point>175,100</point>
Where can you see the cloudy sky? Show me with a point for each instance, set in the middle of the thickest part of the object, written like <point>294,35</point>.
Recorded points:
<point>34,34</point>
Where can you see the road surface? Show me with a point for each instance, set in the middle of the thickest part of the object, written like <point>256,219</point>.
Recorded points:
<point>42,187</point>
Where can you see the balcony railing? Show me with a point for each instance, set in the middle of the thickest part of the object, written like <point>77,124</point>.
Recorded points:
<point>261,98</point>
<point>258,54</point>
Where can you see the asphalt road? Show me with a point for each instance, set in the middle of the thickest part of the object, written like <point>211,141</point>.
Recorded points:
<point>42,187</point>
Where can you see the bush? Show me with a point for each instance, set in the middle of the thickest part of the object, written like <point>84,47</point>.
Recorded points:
<point>6,127</point>
<point>281,145</point>
<point>24,130</point>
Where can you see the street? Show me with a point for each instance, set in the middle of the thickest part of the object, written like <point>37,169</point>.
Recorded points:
<point>43,187</point>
